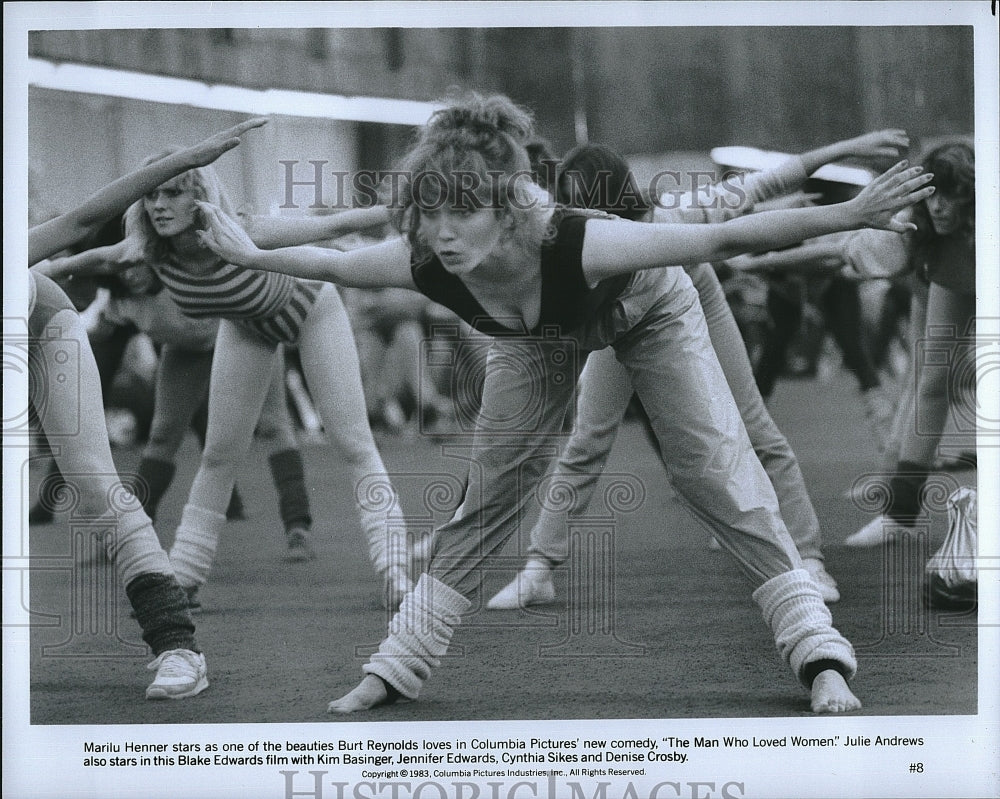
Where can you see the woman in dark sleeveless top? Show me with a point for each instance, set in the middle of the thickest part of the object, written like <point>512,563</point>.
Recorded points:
<point>550,285</point>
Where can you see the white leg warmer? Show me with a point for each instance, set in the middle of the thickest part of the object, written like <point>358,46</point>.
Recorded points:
<point>134,548</point>
<point>802,624</point>
<point>194,545</point>
<point>419,635</point>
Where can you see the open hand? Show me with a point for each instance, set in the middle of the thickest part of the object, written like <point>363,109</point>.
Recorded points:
<point>889,143</point>
<point>207,151</point>
<point>223,236</point>
<point>897,188</point>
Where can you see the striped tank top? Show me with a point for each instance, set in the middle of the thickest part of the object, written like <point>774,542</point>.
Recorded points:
<point>269,304</point>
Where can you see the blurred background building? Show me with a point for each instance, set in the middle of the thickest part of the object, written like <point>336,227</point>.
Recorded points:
<point>662,95</point>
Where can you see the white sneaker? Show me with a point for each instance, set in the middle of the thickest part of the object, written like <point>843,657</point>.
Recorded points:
<point>532,586</point>
<point>823,579</point>
<point>879,530</point>
<point>180,673</point>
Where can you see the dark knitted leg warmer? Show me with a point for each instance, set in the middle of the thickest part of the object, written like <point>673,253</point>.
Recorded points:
<point>161,608</point>
<point>290,481</point>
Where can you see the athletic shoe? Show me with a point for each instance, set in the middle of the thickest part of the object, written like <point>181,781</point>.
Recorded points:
<point>298,549</point>
<point>823,579</point>
<point>180,673</point>
<point>964,461</point>
<point>532,586</point>
<point>879,530</point>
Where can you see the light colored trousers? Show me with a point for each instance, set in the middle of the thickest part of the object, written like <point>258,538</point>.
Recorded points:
<point>603,394</point>
<point>658,331</point>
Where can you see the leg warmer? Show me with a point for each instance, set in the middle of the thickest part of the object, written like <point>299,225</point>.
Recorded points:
<point>194,545</point>
<point>290,481</point>
<point>419,635</point>
<point>802,625</point>
<point>161,608</point>
<point>133,547</point>
<point>154,477</point>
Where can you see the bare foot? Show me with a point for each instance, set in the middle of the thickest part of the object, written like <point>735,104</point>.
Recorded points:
<point>370,693</point>
<point>830,694</point>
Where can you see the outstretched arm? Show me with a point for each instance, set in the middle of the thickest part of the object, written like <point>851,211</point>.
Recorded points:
<point>822,255</point>
<point>269,232</point>
<point>877,145</point>
<point>98,261</point>
<point>728,199</point>
<point>620,247</point>
<point>67,229</point>
<point>384,265</point>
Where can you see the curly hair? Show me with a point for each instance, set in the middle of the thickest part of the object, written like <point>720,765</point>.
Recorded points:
<point>471,155</point>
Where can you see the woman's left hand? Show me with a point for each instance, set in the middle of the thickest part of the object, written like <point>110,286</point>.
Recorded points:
<point>893,190</point>
<point>224,237</point>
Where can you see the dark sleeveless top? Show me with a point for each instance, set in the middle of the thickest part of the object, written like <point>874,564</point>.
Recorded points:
<point>950,261</point>
<point>567,300</point>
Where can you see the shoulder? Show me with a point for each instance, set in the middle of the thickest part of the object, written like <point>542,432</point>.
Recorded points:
<point>568,226</point>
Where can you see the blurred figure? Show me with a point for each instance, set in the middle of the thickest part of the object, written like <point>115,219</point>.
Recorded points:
<point>942,254</point>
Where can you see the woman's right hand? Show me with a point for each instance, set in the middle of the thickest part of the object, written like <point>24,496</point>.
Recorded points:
<point>223,236</point>
<point>207,151</point>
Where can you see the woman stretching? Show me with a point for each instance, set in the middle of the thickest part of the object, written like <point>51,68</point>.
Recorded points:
<point>75,403</point>
<point>259,312</point>
<point>597,177</point>
<point>477,239</point>
<point>137,302</point>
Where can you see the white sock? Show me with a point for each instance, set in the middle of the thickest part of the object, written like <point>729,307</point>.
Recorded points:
<point>419,634</point>
<point>802,624</point>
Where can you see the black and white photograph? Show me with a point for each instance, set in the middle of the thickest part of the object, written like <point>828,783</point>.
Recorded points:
<point>501,400</point>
